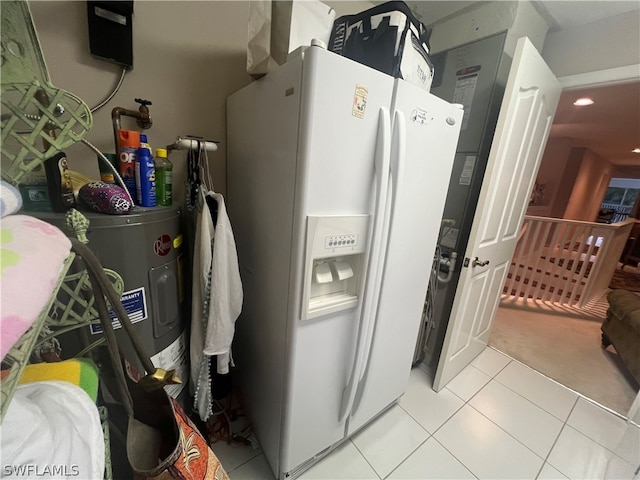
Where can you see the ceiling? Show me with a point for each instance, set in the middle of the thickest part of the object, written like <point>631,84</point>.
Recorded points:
<point>611,126</point>
<point>567,14</point>
<point>561,14</point>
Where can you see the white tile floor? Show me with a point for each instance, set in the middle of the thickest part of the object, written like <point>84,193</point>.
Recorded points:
<point>497,419</point>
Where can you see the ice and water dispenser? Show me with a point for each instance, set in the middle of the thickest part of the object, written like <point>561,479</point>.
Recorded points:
<point>334,262</point>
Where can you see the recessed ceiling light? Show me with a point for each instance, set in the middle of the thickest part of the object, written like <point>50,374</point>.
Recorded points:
<point>583,101</point>
<point>635,150</point>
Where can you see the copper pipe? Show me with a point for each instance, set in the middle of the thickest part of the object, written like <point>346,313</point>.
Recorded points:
<point>143,119</point>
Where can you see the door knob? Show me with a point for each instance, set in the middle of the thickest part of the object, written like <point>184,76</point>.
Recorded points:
<point>477,263</point>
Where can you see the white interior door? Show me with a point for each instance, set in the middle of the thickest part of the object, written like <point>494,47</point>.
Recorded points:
<point>525,119</point>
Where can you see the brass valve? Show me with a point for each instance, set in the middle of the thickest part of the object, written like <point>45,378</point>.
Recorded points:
<point>143,119</point>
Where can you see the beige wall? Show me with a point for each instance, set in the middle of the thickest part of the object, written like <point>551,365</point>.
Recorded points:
<point>567,179</point>
<point>551,175</point>
<point>590,186</point>
<point>188,57</point>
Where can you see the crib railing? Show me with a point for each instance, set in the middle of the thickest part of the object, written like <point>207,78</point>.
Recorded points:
<point>564,261</point>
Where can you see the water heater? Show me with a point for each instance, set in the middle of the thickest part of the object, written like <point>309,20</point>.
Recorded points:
<point>146,249</point>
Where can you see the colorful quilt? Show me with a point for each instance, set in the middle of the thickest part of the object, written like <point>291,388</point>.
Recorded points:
<point>32,255</point>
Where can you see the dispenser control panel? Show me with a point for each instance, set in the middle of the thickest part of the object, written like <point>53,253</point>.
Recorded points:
<point>334,263</point>
<point>337,241</point>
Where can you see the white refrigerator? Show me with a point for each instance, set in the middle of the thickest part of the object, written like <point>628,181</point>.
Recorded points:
<point>337,176</point>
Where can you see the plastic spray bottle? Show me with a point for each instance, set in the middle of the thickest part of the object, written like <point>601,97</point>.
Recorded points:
<point>129,143</point>
<point>144,144</point>
<point>164,178</point>
<point>145,178</point>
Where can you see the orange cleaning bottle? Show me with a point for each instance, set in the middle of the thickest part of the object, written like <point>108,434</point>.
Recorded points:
<point>128,144</point>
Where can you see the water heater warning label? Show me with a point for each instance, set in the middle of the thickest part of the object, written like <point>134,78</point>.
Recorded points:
<point>174,357</point>
<point>134,303</point>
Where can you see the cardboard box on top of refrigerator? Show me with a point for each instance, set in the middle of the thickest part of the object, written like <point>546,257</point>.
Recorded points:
<point>277,28</point>
<point>389,38</point>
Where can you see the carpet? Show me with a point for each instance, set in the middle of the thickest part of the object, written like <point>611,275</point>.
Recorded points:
<point>625,280</point>
<point>566,349</point>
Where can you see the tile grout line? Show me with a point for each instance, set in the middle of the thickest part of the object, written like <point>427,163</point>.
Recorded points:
<point>446,420</point>
<point>429,435</point>
<point>491,377</point>
<point>590,400</point>
<point>245,462</point>
<point>561,385</point>
<point>365,458</point>
<point>432,435</point>
<point>535,404</point>
<point>565,425</point>
<point>467,402</point>
<point>412,452</point>
<point>577,430</point>
<point>509,434</point>
<point>459,461</point>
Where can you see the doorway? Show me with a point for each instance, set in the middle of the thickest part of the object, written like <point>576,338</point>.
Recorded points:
<point>566,345</point>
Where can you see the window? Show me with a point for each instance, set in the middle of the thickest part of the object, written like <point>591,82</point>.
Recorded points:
<point>621,196</point>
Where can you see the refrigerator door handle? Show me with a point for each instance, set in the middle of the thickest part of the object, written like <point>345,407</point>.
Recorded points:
<point>381,162</point>
<point>396,171</point>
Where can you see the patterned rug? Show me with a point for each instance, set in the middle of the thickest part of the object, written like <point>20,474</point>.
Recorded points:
<point>623,280</point>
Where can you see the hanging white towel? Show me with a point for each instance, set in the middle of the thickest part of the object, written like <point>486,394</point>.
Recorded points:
<point>216,299</point>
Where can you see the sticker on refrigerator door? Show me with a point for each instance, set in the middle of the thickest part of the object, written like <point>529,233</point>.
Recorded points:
<point>420,116</point>
<point>359,101</point>
<point>162,245</point>
<point>134,303</point>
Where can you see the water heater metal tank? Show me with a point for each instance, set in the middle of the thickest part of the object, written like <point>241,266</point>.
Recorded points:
<point>146,249</point>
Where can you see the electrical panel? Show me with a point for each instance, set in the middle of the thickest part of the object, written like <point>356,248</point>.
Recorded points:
<point>111,31</point>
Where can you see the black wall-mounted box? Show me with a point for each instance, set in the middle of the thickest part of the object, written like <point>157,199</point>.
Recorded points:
<point>111,31</point>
